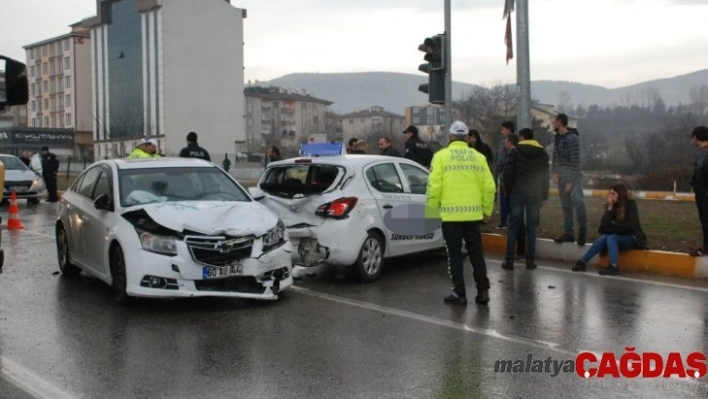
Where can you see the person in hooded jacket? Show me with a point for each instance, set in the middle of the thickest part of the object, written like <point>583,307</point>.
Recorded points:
<point>474,140</point>
<point>526,181</point>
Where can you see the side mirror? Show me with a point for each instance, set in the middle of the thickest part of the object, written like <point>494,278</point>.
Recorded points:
<point>256,193</point>
<point>13,83</point>
<point>102,203</point>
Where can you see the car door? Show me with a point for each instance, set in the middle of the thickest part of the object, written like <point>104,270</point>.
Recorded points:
<point>387,189</point>
<point>97,224</point>
<point>415,180</point>
<point>80,221</point>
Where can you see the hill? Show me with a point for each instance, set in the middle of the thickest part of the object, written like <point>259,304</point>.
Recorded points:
<point>396,91</point>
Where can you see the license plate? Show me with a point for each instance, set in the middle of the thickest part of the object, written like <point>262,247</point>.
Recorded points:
<point>18,189</point>
<point>222,271</point>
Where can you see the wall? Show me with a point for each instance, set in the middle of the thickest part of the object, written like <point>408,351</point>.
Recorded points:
<point>203,73</point>
<point>82,99</point>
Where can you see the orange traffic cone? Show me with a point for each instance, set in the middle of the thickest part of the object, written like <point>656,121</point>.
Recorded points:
<point>13,221</point>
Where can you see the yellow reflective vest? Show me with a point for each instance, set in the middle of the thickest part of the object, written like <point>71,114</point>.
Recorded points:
<point>140,153</point>
<point>460,185</point>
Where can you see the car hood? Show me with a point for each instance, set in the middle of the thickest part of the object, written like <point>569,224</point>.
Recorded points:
<point>212,217</point>
<point>19,175</point>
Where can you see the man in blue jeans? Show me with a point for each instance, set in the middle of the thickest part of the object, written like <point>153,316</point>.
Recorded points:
<point>569,177</point>
<point>526,180</point>
<point>507,129</point>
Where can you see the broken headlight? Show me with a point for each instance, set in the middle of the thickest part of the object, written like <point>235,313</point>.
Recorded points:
<point>274,236</point>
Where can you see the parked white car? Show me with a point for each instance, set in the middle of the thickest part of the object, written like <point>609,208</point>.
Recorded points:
<point>171,227</point>
<point>18,178</point>
<point>334,208</point>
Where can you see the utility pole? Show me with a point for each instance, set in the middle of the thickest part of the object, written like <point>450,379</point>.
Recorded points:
<point>523,65</point>
<point>448,66</point>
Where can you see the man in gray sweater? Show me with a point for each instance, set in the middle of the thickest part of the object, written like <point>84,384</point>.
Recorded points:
<point>569,177</point>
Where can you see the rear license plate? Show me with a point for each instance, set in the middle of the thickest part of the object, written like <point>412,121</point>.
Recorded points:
<point>19,189</point>
<point>222,271</point>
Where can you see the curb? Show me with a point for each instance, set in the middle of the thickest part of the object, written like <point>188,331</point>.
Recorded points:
<point>650,195</point>
<point>658,262</point>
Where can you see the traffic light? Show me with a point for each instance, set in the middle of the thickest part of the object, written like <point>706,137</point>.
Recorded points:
<point>434,49</point>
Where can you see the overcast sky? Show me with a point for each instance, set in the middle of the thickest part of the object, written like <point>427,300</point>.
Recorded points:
<point>610,43</point>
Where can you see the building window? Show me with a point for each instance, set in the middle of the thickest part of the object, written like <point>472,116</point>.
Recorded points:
<point>67,82</point>
<point>45,68</point>
<point>46,86</point>
<point>35,122</point>
<point>54,86</point>
<point>44,51</point>
<point>52,68</point>
<point>68,119</point>
<point>34,106</point>
<point>46,104</point>
<point>32,70</point>
<point>46,121</point>
<point>61,84</point>
<point>67,43</point>
<point>54,122</point>
<point>33,54</point>
<point>67,63</point>
<point>416,120</point>
<point>61,102</point>
<point>33,89</point>
<point>51,49</point>
<point>54,104</point>
<point>67,101</point>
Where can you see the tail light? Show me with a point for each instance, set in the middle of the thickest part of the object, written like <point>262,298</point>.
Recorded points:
<point>337,209</point>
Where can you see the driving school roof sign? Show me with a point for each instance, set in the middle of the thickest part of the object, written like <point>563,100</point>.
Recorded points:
<point>321,149</point>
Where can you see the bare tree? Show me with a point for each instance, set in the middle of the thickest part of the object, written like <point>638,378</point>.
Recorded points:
<point>699,99</point>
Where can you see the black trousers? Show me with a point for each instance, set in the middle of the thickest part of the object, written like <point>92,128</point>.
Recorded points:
<point>702,205</point>
<point>51,183</point>
<point>454,232</point>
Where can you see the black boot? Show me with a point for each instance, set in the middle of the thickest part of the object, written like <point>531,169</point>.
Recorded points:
<point>564,238</point>
<point>530,265</point>
<point>482,297</point>
<point>579,266</point>
<point>610,270</point>
<point>453,299</point>
<point>508,265</point>
<point>582,238</point>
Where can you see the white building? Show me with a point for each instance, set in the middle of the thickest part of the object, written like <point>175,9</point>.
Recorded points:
<point>164,68</point>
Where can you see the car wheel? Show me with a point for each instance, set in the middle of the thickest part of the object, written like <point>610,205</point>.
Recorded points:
<point>119,280</point>
<point>65,265</point>
<point>369,265</point>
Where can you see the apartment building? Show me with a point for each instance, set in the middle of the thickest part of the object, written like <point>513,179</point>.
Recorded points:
<point>59,75</point>
<point>276,116</point>
<point>164,68</point>
<point>372,122</point>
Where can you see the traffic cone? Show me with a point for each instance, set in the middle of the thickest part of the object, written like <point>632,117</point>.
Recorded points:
<point>13,220</point>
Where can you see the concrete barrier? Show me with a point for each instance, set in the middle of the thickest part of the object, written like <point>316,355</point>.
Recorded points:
<point>659,262</point>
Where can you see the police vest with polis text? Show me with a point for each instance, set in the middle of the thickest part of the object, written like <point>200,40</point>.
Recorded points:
<point>460,184</point>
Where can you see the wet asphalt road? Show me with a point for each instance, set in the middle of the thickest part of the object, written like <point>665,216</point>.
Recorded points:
<point>332,337</point>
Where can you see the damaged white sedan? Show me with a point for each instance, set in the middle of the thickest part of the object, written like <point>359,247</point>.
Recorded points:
<point>171,228</point>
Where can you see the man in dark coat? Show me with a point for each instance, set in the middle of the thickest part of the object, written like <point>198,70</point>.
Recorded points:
<point>193,150</point>
<point>50,169</point>
<point>416,149</point>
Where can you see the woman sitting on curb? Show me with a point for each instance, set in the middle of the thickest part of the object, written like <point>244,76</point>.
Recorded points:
<point>619,230</point>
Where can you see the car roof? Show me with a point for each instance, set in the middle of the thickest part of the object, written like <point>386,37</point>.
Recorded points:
<point>345,160</point>
<point>144,163</point>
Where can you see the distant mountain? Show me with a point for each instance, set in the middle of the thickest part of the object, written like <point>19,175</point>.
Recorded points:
<point>395,91</point>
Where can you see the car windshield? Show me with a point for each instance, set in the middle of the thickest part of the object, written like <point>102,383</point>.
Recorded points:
<point>13,163</point>
<point>305,179</point>
<point>145,186</point>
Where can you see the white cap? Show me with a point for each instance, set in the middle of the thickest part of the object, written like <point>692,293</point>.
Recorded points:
<point>459,128</point>
<point>146,141</point>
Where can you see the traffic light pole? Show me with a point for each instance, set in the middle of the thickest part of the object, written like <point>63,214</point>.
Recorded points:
<point>448,66</point>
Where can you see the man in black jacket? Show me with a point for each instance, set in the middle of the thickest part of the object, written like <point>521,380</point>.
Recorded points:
<point>193,150</point>
<point>416,149</point>
<point>699,182</point>
<point>474,140</point>
<point>526,182</point>
<point>50,169</point>
<point>386,147</point>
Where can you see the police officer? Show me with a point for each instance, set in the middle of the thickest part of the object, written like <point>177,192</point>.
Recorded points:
<point>193,150</point>
<point>145,148</point>
<point>416,149</point>
<point>461,192</point>
<point>50,169</point>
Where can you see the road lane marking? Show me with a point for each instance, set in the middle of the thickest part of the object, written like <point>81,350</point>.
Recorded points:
<point>612,278</point>
<point>460,326</point>
<point>433,320</point>
<point>29,382</point>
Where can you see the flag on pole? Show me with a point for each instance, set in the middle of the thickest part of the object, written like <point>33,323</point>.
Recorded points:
<point>508,9</point>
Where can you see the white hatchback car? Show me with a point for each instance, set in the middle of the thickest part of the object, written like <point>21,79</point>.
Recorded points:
<point>171,227</point>
<point>335,207</point>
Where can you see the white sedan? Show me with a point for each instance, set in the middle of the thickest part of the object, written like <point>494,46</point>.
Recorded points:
<point>338,209</point>
<point>171,228</point>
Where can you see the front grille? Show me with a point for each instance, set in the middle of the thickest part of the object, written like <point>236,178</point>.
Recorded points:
<point>246,285</point>
<point>9,185</point>
<point>219,251</point>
